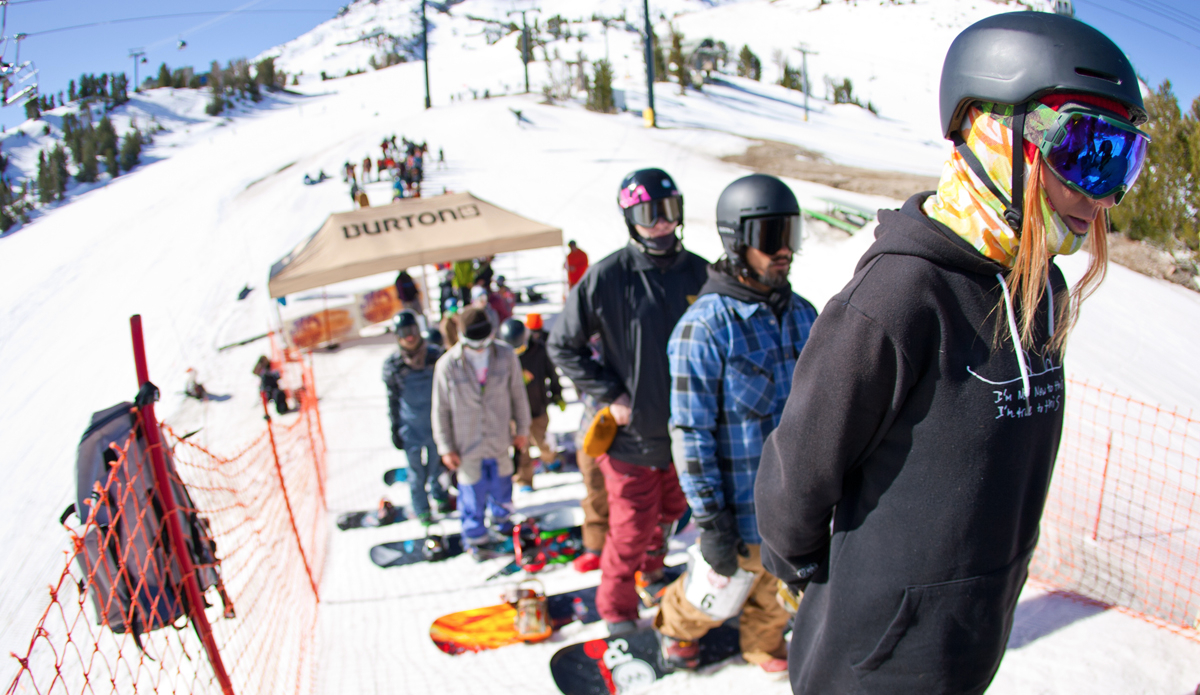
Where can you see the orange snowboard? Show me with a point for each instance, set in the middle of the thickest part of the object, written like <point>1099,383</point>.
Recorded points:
<point>479,629</point>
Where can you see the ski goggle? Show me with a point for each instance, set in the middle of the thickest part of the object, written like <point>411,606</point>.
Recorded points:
<point>769,234</point>
<point>408,331</point>
<point>648,213</point>
<point>477,344</point>
<point>1093,153</point>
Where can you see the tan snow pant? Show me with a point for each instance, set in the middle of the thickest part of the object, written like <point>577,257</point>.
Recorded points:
<point>595,503</point>
<point>761,624</point>
<point>537,435</point>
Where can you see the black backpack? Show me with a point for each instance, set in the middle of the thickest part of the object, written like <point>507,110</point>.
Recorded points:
<point>125,554</point>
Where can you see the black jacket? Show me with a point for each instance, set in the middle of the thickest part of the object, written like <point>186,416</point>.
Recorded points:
<point>632,305</point>
<point>907,427</point>
<point>541,380</point>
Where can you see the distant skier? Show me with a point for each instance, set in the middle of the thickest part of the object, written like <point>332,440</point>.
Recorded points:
<point>408,374</point>
<point>577,264</point>
<point>366,168</point>
<point>268,383</point>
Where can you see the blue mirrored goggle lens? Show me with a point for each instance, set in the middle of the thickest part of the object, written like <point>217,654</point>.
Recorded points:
<point>1098,157</point>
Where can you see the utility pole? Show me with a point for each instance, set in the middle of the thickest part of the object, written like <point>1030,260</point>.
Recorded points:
<point>425,51</point>
<point>648,115</point>
<point>803,48</point>
<point>526,52</point>
<point>138,55</point>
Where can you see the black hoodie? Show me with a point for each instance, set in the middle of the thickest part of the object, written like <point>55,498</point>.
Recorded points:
<point>632,304</point>
<point>907,427</point>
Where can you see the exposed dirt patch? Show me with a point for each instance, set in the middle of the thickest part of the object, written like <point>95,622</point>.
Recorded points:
<point>1149,260</point>
<point>781,159</point>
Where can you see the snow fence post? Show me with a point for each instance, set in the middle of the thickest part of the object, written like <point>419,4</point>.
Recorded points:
<point>162,484</point>
<point>286,500</point>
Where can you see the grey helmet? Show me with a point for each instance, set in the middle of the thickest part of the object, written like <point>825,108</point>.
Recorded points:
<point>756,195</point>
<point>1017,57</point>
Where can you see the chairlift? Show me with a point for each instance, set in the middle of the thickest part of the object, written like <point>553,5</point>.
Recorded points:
<point>182,44</point>
<point>143,61</point>
<point>24,77</point>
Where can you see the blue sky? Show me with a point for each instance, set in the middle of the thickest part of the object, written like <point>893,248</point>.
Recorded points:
<point>1161,37</point>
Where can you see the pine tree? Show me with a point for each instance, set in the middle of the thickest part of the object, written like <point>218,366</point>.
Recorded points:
<point>120,89</point>
<point>164,76</point>
<point>792,79</point>
<point>748,64</point>
<point>71,90</point>
<point>265,72</point>
<point>88,166</point>
<point>660,61</point>
<point>682,74</point>
<point>58,165</point>
<point>106,136</point>
<point>45,173</point>
<point>600,96</point>
<point>131,150</point>
<point>1164,205</point>
<point>111,164</point>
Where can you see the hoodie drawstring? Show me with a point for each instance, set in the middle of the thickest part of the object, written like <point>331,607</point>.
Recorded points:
<point>1050,296</point>
<point>1012,328</point>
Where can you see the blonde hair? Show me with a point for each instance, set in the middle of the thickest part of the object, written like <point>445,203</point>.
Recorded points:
<point>1030,272</point>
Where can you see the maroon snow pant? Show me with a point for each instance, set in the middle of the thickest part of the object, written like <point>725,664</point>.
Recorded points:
<point>640,501</point>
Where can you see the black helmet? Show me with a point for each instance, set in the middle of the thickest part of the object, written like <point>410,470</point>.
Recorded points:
<point>513,332</point>
<point>433,336</point>
<point>405,324</point>
<point>760,211</point>
<point>1017,57</point>
<point>644,196</point>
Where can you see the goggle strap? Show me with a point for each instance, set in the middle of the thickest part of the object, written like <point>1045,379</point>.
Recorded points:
<point>977,168</point>
<point>1013,214</point>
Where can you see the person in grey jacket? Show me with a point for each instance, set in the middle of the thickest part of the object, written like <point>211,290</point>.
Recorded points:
<point>408,374</point>
<point>478,388</point>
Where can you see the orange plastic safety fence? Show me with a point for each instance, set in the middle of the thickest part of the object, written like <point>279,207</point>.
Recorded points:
<point>1122,524</point>
<point>264,609</point>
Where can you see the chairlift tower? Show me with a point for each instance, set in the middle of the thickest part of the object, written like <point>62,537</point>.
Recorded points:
<point>648,116</point>
<point>804,51</point>
<point>138,55</point>
<point>526,51</point>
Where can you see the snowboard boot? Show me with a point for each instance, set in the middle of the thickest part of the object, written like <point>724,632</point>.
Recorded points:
<point>444,506</point>
<point>425,518</point>
<point>650,588</point>
<point>679,654</point>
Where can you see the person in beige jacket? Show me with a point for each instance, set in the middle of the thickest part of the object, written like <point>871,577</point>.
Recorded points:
<point>478,390</point>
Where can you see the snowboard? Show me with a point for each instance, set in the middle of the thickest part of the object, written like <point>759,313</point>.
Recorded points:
<point>396,475</point>
<point>491,627</point>
<point>386,515</point>
<point>441,547</point>
<point>629,663</point>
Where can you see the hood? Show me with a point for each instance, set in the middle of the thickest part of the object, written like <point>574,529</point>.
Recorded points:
<point>908,232</point>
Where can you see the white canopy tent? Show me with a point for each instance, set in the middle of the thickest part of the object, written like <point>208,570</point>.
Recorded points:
<point>414,231</point>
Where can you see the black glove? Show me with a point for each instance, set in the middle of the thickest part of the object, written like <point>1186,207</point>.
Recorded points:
<point>720,543</point>
<point>397,440</point>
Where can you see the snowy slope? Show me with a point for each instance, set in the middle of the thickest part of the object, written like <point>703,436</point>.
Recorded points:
<point>176,239</point>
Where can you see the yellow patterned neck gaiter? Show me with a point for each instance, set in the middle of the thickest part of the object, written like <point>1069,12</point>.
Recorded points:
<point>971,210</point>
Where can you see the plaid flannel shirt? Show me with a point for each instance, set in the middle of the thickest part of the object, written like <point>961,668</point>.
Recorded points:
<point>731,370</point>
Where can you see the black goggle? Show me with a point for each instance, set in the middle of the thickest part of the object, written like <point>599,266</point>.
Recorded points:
<point>650,212</point>
<point>408,331</point>
<point>769,234</point>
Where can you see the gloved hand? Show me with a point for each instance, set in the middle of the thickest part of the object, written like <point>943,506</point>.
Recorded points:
<point>397,440</point>
<point>562,405</point>
<point>720,543</point>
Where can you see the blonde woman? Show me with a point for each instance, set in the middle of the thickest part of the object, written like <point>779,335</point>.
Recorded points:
<point>927,406</point>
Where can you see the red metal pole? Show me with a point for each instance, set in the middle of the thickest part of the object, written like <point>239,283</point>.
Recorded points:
<point>162,484</point>
<point>286,501</point>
